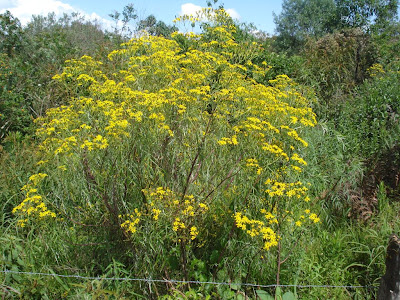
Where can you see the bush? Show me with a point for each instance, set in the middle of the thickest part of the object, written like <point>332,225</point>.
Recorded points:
<point>338,63</point>
<point>177,158</point>
<point>372,117</point>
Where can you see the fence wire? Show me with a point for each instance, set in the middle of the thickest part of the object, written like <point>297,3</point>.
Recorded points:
<point>150,280</point>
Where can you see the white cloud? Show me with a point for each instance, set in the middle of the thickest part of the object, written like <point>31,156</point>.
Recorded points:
<point>192,9</point>
<point>233,13</point>
<point>24,9</point>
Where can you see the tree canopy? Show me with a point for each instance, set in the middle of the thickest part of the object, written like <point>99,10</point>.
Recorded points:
<point>300,19</point>
<point>156,28</point>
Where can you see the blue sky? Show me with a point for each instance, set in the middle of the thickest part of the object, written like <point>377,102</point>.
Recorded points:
<point>258,12</point>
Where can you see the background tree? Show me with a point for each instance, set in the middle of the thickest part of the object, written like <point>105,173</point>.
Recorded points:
<point>122,20</point>
<point>302,18</point>
<point>366,13</point>
<point>156,28</point>
<point>10,33</point>
<point>388,42</point>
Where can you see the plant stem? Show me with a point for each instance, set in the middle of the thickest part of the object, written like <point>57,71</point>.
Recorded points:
<point>278,263</point>
<point>184,260</point>
<point>195,159</point>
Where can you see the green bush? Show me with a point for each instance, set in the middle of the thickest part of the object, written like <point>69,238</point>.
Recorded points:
<point>371,119</point>
<point>337,63</point>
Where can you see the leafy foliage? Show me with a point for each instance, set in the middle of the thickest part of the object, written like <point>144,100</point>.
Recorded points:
<point>339,62</point>
<point>157,28</point>
<point>365,13</point>
<point>10,33</point>
<point>31,57</point>
<point>377,113</point>
<point>302,18</point>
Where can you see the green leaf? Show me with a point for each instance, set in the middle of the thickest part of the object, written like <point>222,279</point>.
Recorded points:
<point>58,279</point>
<point>240,297</point>
<point>227,294</point>
<point>214,256</point>
<point>278,293</point>
<point>173,262</point>
<point>289,296</point>
<point>20,262</point>
<point>263,295</point>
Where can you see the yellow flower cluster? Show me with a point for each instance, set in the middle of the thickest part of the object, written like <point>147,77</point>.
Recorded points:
<point>292,189</point>
<point>32,206</point>
<point>275,149</point>
<point>256,228</point>
<point>375,70</point>
<point>182,212</point>
<point>178,224</point>
<point>310,217</point>
<point>313,217</point>
<point>193,232</point>
<point>156,212</point>
<point>269,216</point>
<point>228,141</point>
<point>298,159</point>
<point>252,163</point>
<point>133,219</point>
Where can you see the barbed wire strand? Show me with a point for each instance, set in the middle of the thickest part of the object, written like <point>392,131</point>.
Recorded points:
<point>188,281</point>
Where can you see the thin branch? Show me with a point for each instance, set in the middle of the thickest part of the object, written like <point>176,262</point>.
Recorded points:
<point>195,158</point>
<point>291,250</point>
<point>230,175</point>
<point>219,184</point>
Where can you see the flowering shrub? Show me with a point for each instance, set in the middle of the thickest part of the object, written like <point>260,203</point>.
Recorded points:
<point>170,140</point>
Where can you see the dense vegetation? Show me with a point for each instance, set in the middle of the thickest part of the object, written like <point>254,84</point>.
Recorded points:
<point>222,155</point>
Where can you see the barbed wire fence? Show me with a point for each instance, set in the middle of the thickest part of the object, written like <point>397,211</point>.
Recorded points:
<point>150,280</point>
